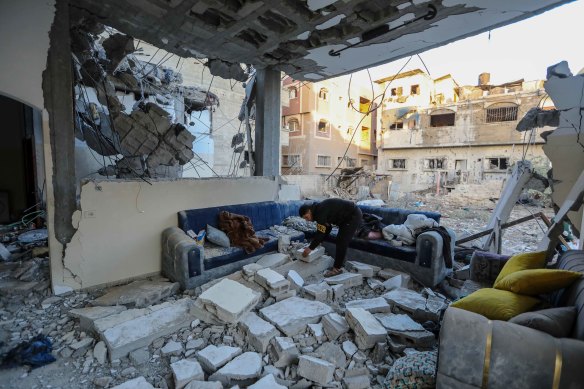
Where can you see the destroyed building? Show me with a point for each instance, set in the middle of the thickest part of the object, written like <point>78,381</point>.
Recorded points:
<point>111,319</point>
<point>436,131</point>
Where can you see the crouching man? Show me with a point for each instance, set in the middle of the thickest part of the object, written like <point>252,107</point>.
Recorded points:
<point>328,213</point>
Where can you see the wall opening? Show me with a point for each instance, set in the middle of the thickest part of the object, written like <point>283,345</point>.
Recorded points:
<point>443,118</point>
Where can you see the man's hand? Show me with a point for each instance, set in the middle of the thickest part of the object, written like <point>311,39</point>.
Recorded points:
<point>306,252</point>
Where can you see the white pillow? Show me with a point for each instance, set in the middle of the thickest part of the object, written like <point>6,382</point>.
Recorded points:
<point>215,235</point>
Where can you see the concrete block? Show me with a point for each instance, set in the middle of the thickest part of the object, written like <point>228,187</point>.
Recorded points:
<point>259,332</point>
<point>346,279</point>
<point>273,260</point>
<point>420,307</point>
<point>334,325</point>
<point>368,330</point>
<point>317,331</point>
<point>363,268</point>
<point>388,273</point>
<point>332,353</point>
<point>204,385</point>
<point>398,322</point>
<point>171,348</point>
<point>315,369</point>
<point>359,382</point>
<point>406,330</point>
<point>283,352</point>
<point>88,315</point>
<point>185,371</point>
<point>251,269</point>
<point>319,292</point>
<point>313,256</point>
<point>139,331</point>
<point>100,352</point>
<point>399,281</point>
<point>136,383</point>
<point>295,279</point>
<point>271,280</point>
<point>374,305</point>
<point>292,315</point>
<point>350,348</point>
<point>243,369</point>
<point>219,300</point>
<point>284,296</point>
<point>268,382</point>
<point>137,294</point>
<point>213,357</point>
<point>306,269</point>
<point>139,357</point>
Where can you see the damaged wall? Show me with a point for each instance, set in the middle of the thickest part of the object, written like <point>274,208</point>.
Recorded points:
<point>120,224</point>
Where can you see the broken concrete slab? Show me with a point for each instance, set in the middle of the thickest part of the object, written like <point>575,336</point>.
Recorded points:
<point>259,332</point>
<point>363,268</point>
<point>88,315</point>
<point>316,330</point>
<point>374,305</point>
<point>406,330</point>
<point>273,260</point>
<point>284,296</point>
<point>346,279</point>
<point>358,382</point>
<point>334,325</point>
<point>319,292</point>
<point>213,357</point>
<point>292,315</point>
<point>268,382</point>
<point>204,385</point>
<point>399,281</point>
<point>368,331</point>
<point>420,307</point>
<point>185,371</point>
<point>271,280</point>
<point>283,351</point>
<point>123,336</point>
<point>137,294</point>
<point>171,348</point>
<point>251,269</point>
<point>398,322</point>
<point>306,269</point>
<point>243,369</point>
<point>136,383</point>
<point>219,300</point>
<point>332,353</point>
<point>315,369</point>
<point>350,348</point>
<point>100,352</point>
<point>295,279</point>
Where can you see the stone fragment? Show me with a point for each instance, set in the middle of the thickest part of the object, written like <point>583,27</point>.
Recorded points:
<point>295,279</point>
<point>273,260</point>
<point>49,301</point>
<point>285,295</point>
<point>292,315</point>
<point>219,300</point>
<point>103,382</point>
<point>313,256</point>
<point>374,305</point>
<point>374,283</point>
<point>88,315</point>
<point>319,292</point>
<point>305,269</point>
<point>346,279</point>
<point>332,353</point>
<point>251,269</point>
<point>136,383</point>
<point>420,307</point>
<point>139,357</point>
<point>195,344</point>
<point>395,346</point>
<point>350,348</point>
<point>399,281</point>
<point>283,352</point>
<point>100,352</point>
<point>81,346</point>
<point>362,268</point>
<point>213,357</point>
<point>204,385</point>
<point>359,382</point>
<point>368,330</point>
<point>138,294</point>
<point>271,280</point>
<point>316,331</point>
<point>334,325</point>
<point>268,382</point>
<point>259,332</point>
<point>398,322</point>
<point>315,369</point>
<point>185,371</point>
<point>338,291</point>
<point>379,352</point>
<point>242,369</point>
<point>171,348</point>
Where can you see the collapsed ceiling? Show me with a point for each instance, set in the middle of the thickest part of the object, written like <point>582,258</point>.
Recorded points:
<point>303,37</point>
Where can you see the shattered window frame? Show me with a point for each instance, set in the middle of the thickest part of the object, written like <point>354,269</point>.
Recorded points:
<point>323,160</point>
<point>497,164</point>
<point>323,129</point>
<point>399,125</point>
<point>397,91</point>
<point>415,90</point>
<point>435,164</point>
<point>443,118</point>
<point>291,160</point>
<point>501,112</point>
<point>396,164</point>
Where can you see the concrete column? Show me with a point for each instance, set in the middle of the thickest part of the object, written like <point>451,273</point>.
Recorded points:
<point>58,96</point>
<point>268,123</point>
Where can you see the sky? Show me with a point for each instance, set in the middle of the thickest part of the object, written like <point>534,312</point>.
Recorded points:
<point>521,50</point>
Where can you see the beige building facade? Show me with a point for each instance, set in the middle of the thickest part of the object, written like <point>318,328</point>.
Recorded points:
<point>436,132</point>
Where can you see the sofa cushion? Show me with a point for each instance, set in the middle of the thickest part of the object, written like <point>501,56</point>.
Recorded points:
<point>537,281</point>
<point>218,237</point>
<point>557,322</point>
<point>496,304</point>
<point>572,260</point>
<point>396,215</point>
<point>522,261</point>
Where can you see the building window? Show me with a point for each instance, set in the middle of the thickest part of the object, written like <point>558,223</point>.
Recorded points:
<point>415,90</point>
<point>351,162</point>
<point>502,112</point>
<point>323,160</point>
<point>397,91</point>
<point>294,127</point>
<point>435,163</point>
<point>397,125</point>
<point>364,135</point>
<point>497,164</point>
<point>291,160</point>
<point>324,129</point>
<point>323,94</point>
<point>292,93</point>
<point>396,163</point>
<point>340,162</point>
<point>442,118</point>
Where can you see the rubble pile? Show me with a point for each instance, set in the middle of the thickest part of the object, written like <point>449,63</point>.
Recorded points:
<point>145,137</point>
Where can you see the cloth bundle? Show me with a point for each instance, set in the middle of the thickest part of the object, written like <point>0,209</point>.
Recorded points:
<point>240,231</point>
<point>407,233</point>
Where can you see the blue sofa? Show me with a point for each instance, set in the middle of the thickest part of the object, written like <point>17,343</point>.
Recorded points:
<point>187,263</point>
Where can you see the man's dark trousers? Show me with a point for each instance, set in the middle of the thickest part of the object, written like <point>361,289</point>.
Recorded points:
<point>346,233</point>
